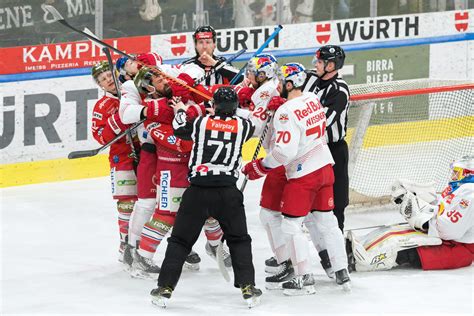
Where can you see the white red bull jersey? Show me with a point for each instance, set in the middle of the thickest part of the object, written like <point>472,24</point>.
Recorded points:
<point>455,218</point>
<point>299,137</point>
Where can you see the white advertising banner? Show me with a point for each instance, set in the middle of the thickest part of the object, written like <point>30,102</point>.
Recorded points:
<point>46,119</point>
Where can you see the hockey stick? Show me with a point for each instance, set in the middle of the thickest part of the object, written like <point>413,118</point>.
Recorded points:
<point>119,95</point>
<point>376,226</point>
<point>259,145</point>
<point>59,18</point>
<point>93,152</point>
<point>220,261</point>
<point>218,67</point>
<point>259,50</point>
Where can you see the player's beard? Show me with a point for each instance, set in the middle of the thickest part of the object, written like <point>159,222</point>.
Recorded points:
<point>166,91</point>
<point>284,92</point>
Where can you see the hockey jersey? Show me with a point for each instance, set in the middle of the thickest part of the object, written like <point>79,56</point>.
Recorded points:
<point>455,217</point>
<point>299,132</point>
<point>106,125</point>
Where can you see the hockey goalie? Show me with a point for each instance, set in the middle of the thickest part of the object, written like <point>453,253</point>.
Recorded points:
<point>439,234</point>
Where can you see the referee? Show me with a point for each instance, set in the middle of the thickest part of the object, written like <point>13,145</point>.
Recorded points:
<point>205,45</point>
<point>214,169</point>
<point>333,93</point>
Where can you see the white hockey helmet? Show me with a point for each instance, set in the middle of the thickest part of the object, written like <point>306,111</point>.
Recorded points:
<point>293,72</point>
<point>263,63</point>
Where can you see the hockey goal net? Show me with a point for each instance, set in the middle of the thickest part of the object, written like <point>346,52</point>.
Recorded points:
<point>408,129</point>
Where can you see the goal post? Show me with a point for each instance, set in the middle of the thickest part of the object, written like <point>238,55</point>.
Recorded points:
<point>408,129</point>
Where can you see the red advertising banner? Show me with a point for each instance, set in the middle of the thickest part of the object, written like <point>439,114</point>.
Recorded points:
<point>65,55</point>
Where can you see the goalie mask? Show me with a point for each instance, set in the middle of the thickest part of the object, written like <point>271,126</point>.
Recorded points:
<point>225,101</point>
<point>462,171</point>
<point>263,66</point>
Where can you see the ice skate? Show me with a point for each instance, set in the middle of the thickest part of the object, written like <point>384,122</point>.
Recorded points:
<point>192,261</point>
<point>326,263</point>
<point>127,257</point>
<point>272,266</point>
<point>251,295</point>
<point>343,279</point>
<point>212,252</point>
<point>350,256</point>
<point>161,295</point>
<point>285,273</point>
<point>299,285</point>
<point>143,268</point>
<point>121,251</point>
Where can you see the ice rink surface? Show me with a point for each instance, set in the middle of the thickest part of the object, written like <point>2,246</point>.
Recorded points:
<point>59,245</point>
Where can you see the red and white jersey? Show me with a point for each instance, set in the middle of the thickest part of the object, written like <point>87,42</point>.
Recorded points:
<point>104,128</point>
<point>299,137</point>
<point>455,218</point>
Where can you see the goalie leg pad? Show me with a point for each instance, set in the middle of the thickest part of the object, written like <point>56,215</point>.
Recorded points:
<point>378,250</point>
<point>272,221</point>
<point>154,231</point>
<point>297,244</point>
<point>142,212</point>
<point>328,227</point>
<point>213,231</point>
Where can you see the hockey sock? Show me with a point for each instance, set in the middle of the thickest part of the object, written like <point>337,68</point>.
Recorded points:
<point>154,231</point>
<point>271,221</point>
<point>297,244</point>
<point>125,208</point>
<point>213,231</point>
<point>142,212</point>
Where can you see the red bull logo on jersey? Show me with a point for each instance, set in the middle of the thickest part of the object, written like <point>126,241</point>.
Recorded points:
<point>311,107</point>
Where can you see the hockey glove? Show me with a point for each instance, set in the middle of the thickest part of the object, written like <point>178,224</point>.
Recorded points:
<point>255,169</point>
<point>116,124</point>
<point>181,91</point>
<point>159,111</point>
<point>275,103</point>
<point>245,97</point>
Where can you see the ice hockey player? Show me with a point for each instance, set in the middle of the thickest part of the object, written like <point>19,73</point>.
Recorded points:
<point>171,168</point>
<point>333,92</point>
<point>440,230</point>
<point>106,124</point>
<point>205,45</point>
<point>214,163</point>
<point>299,146</point>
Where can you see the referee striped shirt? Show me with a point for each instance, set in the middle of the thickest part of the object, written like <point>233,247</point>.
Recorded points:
<point>216,155</point>
<point>334,96</point>
<point>222,76</point>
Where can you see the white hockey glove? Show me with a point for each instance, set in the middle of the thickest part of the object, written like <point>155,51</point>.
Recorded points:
<point>418,202</point>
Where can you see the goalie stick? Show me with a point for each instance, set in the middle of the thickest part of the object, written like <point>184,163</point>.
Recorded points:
<point>93,152</point>
<point>376,226</point>
<point>259,50</point>
<point>59,18</point>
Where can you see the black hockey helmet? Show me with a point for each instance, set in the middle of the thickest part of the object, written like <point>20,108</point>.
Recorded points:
<point>205,31</point>
<point>225,101</point>
<point>331,53</point>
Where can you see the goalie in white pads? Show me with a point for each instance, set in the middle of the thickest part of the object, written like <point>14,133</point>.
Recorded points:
<point>439,234</point>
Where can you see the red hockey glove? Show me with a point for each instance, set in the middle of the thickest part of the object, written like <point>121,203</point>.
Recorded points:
<point>275,103</point>
<point>195,110</point>
<point>150,59</point>
<point>159,111</point>
<point>245,97</point>
<point>179,90</point>
<point>255,169</point>
<point>116,124</point>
